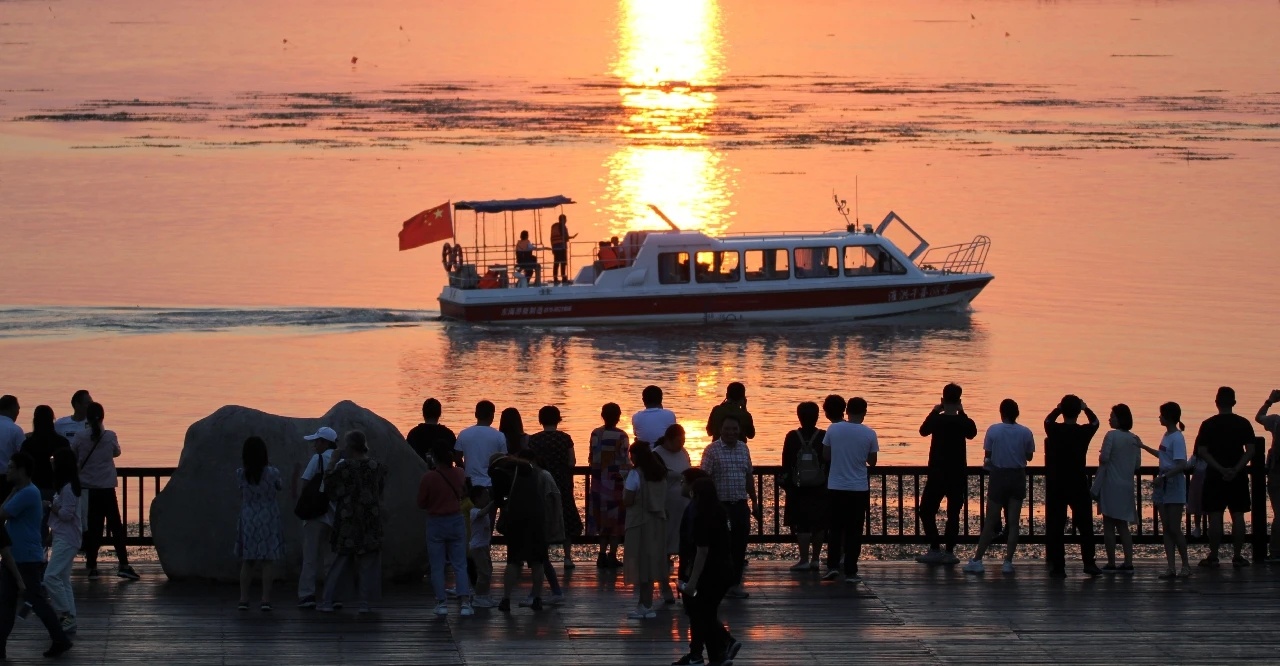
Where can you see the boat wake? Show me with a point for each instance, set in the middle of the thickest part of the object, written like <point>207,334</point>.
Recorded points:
<point>68,321</point>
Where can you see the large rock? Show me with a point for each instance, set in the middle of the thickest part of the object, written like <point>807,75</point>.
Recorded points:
<point>193,520</point>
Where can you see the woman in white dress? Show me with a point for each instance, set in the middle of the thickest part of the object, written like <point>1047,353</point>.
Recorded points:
<point>1117,462</point>
<point>670,450</point>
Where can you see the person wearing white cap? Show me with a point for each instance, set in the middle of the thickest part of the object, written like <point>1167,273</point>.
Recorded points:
<point>316,551</point>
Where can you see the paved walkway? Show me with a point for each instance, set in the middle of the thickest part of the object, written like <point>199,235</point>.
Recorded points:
<point>905,613</point>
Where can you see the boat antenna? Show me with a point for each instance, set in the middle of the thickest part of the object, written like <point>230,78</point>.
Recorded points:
<point>855,199</point>
<point>664,217</point>
<point>842,207</point>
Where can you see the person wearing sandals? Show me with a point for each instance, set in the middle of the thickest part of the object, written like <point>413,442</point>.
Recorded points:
<point>96,450</point>
<point>606,517</point>
<point>1169,493</point>
<point>64,525</point>
<point>1117,462</point>
<point>1225,442</point>
<point>259,541</point>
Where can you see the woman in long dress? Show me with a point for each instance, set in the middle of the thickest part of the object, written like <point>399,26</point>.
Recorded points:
<point>608,462</point>
<point>259,540</point>
<point>1117,462</point>
<point>670,450</point>
<point>645,497</point>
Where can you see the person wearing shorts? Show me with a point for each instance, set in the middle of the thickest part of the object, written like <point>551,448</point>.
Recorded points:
<point>1008,446</point>
<point>1226,442</point>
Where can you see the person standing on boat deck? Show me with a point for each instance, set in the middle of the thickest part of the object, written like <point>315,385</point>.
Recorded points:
<point>430,436</point>
<point>22,512</point>
<point>949,430</point>
<point>1009,447</point>
<point>728,461</point>
<point>560,250</point>
<point>525,261</point>
<point>478,445</point>
<point>651,423</point>
<point>1271,423</point>
<point>96,450</point>
<point>804,478</point>
<point>317,554</point>
<point>735,405</point>
<point>850,448</point>
<point>1225,442</point>
<point>1066,484</point>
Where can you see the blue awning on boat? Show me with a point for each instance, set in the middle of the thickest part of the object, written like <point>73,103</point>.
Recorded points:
<point>503,205</point>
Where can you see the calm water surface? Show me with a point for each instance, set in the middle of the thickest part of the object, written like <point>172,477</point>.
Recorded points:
<point>200,203</point>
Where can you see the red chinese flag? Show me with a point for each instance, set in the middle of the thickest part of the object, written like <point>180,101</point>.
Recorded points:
<point>429,226</point>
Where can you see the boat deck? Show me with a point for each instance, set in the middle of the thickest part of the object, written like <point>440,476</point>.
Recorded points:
<point>905,613</point>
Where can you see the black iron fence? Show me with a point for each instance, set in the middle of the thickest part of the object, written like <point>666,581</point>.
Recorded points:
<point>895,495</point>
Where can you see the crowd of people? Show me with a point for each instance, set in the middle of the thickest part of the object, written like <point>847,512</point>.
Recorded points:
<point>645,497</point>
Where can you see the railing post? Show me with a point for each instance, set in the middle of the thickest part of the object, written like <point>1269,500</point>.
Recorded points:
<point>1258,522</point>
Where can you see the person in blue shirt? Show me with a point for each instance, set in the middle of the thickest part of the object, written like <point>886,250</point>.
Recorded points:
<point>22,514</point>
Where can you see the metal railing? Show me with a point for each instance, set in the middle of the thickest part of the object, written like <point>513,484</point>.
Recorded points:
<point>893,519</point>
<point>963,258</point>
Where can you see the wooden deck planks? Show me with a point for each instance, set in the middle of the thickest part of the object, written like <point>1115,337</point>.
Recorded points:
<point>905,613</point>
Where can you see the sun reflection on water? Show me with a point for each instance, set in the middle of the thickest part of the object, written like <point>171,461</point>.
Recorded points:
<point>669,61</point>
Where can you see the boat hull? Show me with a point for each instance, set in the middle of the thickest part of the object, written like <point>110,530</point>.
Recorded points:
<point>584,306</point>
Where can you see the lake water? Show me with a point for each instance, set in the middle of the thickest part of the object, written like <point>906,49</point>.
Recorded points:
<point>200,201</point>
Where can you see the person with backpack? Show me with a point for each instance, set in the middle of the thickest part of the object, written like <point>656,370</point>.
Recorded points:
<point>804,479</point>
<point>948,428</point>
<point>317,515</point>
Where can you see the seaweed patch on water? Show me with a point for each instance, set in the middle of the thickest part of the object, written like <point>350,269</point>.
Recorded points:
<point>779,110</point>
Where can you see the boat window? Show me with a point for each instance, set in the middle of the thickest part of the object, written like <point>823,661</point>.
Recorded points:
<point>770,264</point>
<point>716,267</point>
<point>816,262</point>
<point>673,268</point>
<point>870,260</point>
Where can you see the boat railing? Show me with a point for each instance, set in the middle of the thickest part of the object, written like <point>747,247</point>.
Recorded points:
<point>962,258</point>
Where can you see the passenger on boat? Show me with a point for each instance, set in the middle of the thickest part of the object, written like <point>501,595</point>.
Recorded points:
<point>560,250</point>
<point>607,257</point>
<point>525,261</point>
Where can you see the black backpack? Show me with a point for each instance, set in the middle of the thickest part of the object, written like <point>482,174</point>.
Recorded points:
<point>313,502</point>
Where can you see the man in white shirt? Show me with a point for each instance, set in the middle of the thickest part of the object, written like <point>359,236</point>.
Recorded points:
<point>651,423</point>
<point>70,426</point>
<point>316,552</point>
<point>11,434</point>
<point>851,448</point>
<point>1009,446</point>
<point>478,445</point>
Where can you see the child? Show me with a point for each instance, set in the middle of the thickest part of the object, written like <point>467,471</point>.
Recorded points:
<point>478,546</point>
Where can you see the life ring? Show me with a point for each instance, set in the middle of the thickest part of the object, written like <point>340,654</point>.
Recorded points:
<point>458,256</point>
<point>446,257</point>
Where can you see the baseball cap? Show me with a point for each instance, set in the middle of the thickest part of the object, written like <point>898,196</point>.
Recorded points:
<point>325,433</point>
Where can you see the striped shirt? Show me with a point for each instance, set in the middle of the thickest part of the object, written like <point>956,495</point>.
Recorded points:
<point>730,469</point>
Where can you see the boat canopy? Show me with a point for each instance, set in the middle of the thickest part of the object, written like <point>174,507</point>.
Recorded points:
<point>504,205</point>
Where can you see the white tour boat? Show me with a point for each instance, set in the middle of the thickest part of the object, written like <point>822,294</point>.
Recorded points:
<point>686,277</point>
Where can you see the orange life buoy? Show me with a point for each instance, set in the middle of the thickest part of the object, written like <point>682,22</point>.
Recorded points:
<point>458,256</point>
<point>446,257</point>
